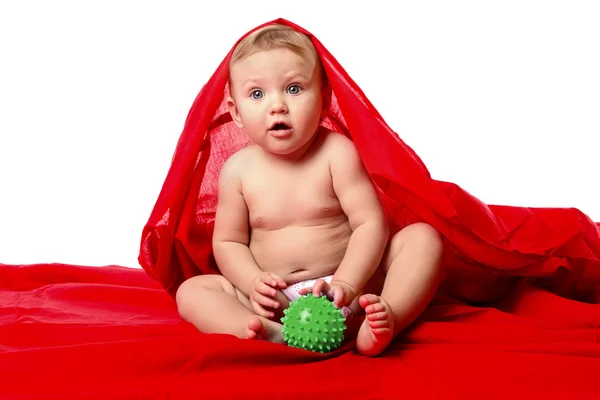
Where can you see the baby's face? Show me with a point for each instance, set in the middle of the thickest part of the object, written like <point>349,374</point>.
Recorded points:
<point>276,98</point>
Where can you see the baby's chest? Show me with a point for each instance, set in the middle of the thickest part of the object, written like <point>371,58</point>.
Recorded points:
<point>275,200</point>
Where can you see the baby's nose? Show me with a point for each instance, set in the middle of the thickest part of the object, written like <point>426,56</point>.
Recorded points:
<point>278,105</point>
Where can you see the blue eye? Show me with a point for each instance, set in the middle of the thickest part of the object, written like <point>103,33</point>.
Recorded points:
<point>257,94</point>
<point>294,89</point>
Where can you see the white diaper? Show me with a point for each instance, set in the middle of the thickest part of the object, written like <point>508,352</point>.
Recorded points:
<point>291,292</point>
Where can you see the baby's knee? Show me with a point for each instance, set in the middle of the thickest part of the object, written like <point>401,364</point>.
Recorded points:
<point>419,236</point>
<point>188,292</point>
<point>418,242</point>
<point>429,243</point>
<point>184,297</point>
<point>426,235</point>
<point>428,246</point>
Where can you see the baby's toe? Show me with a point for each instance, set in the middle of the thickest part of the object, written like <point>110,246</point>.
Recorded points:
<point>381,323</point>
<point>378,316</point>
<point>375,308</point>
<point>250,334</point>
<point>368,299</point>
<point>255,326</point>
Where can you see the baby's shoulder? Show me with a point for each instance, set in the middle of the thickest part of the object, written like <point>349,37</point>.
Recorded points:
<point>337,145</point>
<point>238,162</point>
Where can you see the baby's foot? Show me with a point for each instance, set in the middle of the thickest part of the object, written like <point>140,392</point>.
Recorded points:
<point>264,329</point>
<point>377,330</point>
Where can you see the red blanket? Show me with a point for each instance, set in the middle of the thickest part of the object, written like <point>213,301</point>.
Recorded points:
<point>70,331</point>
<point>82,332</point>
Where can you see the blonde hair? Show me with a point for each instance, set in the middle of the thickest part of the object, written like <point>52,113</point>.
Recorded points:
<point>278,36</point>
<point>275,36</point>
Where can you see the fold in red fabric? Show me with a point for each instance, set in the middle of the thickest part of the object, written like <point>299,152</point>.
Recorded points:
<point>72,332</point>
<point>83,332</point>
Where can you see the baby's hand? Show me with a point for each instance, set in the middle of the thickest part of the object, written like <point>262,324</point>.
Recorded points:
<point>263,292</point>
<point>339,292</point>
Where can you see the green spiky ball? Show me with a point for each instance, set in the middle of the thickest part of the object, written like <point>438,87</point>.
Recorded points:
<point>313,323</point>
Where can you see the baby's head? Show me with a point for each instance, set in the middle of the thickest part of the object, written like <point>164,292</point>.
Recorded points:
<point>278,36</point>
<point>278,89</point>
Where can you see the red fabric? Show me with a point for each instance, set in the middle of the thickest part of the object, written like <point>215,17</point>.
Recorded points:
<point>486,244</point>
<point>78,332</point>
<point>83,332</point>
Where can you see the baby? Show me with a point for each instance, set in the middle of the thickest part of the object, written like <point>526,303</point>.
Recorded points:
<point>297,212</point>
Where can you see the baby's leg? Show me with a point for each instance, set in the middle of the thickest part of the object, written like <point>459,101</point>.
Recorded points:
<point>213,305</point>
<point>412,264</point>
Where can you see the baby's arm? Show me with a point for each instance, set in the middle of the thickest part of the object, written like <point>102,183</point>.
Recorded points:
<point>361,205</point>
<point>231,239</point>
<point>231,233</point>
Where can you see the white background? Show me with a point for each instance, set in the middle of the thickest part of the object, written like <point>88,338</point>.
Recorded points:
<point>502,98</point>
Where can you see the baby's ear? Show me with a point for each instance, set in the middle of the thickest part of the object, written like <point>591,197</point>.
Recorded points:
<point>233,110</point>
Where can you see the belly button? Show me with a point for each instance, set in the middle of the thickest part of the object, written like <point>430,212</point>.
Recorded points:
<point>298,271</point>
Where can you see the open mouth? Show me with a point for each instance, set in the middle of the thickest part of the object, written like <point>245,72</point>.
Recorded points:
<point>280,126</point>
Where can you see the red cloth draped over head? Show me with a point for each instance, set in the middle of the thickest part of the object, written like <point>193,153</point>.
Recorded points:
<point>487,246</point>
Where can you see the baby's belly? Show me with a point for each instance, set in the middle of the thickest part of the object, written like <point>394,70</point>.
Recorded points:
<point>298,253</point>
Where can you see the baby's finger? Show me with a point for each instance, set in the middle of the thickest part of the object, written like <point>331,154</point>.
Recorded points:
<point>265,301</point>
<point>268,279</point>
<point>321,287</point>
<point>279,282</point>
<point>338,296</point>
<point>266,290</point>
<point>305,290</point>
<point>260,311</point>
